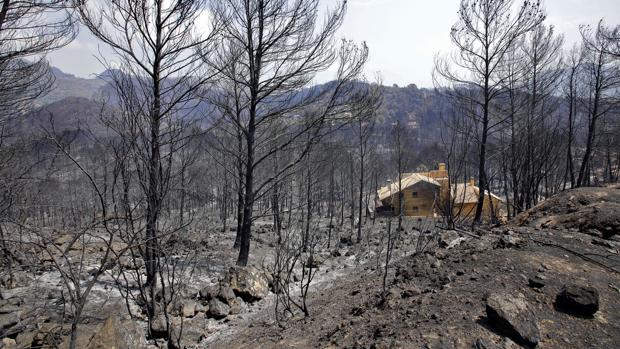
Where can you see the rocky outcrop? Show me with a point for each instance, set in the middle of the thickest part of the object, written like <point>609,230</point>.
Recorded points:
<point>594,211</point>
<point>510,314</point>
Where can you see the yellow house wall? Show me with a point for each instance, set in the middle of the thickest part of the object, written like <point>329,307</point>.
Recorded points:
<point>420,205</point>
<point>468,210</point>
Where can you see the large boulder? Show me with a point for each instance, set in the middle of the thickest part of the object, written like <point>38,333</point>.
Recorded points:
<point>249,283</point>
<point>118,334</point>
<point>578,300</point>
<point>511,315</point>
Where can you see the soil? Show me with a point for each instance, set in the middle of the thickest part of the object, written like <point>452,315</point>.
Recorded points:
<point>434,298</point>
<point>449,311</point>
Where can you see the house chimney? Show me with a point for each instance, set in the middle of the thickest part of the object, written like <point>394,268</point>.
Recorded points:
<point>471,182</point>
<point>442,167</point>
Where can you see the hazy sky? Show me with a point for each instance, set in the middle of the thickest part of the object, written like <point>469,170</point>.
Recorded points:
<point>403,35</point>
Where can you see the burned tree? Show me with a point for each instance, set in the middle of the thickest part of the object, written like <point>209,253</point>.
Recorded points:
<point>602,78</point>
<point>157,45</point>
<point>28,30</point>
<point>484,34</point>
<point>364,128</point>
<point>270,53</point>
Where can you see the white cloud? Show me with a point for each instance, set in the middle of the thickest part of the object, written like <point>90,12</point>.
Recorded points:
<point>403,35</point>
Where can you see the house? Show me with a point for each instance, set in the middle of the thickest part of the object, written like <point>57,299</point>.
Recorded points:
<point>427,194</point>
<point>465,201</point>
<point>419,195</point>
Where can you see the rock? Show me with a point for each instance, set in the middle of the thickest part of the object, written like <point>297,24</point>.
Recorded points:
<point>336,253</point>
<point>237,306</point>
<point>25,339</point>
<point>434,262</point>
<point>357,311</point>
<point>202,308</point>
<point>118,334</point>
<point>509,241</point>
<point>8,343</point>
<point>603,243</point>
<point>482,344</point>
<point>63,239</point>
<point>578,300</point>
<point>315,260</point>
<point>249,283</point>
<point>346,240</point>
<point>209,292</point>
<point>511,315</point>
<point>410,291</point>
<point>8,308</point>
<point>188,309</point>
<point>450,239</point>
<point>226,294</point>
<point>158,327</point>
<point>8,321</point>
<point>218,309</point>
<point>186,333</point>
<point>128,263</point>
<point>537,281</point>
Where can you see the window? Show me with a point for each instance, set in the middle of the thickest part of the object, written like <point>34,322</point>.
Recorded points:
<point>415,194</point>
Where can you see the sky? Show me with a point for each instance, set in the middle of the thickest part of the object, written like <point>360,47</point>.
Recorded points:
<point>403,35</point>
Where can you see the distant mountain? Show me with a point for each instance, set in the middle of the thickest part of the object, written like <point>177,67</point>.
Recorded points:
<point>76,115</point>
<point>418,109</point>
<point>67,85</point>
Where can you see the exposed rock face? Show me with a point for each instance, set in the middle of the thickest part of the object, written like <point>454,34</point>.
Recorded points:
<point>578,300</point>
<point>218,309</point>
<point>591,210</point>
<point>249,283</point>
<point>118,334</point>
<point>511,315</point>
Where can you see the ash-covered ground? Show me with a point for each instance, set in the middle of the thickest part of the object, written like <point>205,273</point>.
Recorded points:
<point>549,279</point>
